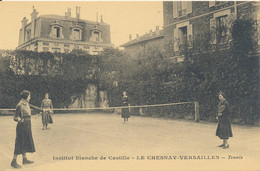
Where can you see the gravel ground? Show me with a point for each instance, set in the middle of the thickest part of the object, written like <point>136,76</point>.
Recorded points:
<point>103,142</point>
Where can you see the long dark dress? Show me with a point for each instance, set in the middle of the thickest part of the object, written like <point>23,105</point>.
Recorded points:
<point>46,115</point>
<point>125,111</point>
<point>24,140</point>
<point>224,125</point>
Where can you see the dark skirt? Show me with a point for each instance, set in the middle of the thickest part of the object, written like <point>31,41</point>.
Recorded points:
<point>125,113</point>
<point>24,140</point>
<point>224,130</point>
<point>46,118</point>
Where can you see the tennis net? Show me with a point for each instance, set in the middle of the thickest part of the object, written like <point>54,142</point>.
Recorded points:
<point>180,110</point>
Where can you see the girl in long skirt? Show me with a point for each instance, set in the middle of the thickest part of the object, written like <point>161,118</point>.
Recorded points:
<point>47,108</point>
<point>125,111</point>
<point>24,140</point>
<point>224,125</point>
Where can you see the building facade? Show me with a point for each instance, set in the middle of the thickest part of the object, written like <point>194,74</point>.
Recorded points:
<point>53,33</point>
<point>187,22</point>
<point>153,39</point>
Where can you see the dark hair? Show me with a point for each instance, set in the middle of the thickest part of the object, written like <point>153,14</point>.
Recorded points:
<point>223,94</point>
<point>24,94</point>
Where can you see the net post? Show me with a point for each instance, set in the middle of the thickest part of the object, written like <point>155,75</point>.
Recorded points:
<point>197,114</point>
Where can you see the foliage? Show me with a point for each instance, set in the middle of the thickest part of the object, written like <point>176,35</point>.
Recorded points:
<point>207,69</point>
<point>64,76</point>
<point>149,78</point>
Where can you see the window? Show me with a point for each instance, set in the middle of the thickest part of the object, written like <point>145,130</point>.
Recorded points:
<point>96,35</point>
<point>220,26</point>
<point>57,32</point>
<point>76,33</point>
<point>221,29</point>
<point>183,36</point>
<point>181,8</point>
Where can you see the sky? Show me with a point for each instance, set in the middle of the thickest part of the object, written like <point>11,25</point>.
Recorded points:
<point>128,17</point>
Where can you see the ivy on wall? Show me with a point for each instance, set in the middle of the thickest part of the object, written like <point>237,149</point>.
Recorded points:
<point>63,76</point>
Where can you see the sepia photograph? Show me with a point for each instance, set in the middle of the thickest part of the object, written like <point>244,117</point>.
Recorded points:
<point>130,85</point>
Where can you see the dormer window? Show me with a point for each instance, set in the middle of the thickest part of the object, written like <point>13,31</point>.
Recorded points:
<point>56,30</point>
<point>96,35</point>
<point>76,33</point>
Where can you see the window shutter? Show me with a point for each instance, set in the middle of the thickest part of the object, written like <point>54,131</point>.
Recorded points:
<point>189,7</point>
<point>211,3</point>
<point>174,9</point>
<point>190,33</point>
<point>213,31</point>
<point>176,43</point>
<point>229,21</point>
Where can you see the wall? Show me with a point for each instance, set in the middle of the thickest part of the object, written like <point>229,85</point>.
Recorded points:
<point>200,24</point>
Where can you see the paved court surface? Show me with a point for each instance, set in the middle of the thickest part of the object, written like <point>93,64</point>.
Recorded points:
<point>103,142</point>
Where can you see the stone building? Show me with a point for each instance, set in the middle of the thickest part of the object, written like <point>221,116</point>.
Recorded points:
<point>145,42</point>
<point>187,21</point>
<point>55,33</point>
<point>189,24</point>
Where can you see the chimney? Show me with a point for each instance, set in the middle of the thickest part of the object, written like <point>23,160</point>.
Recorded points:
<point>77,12</point>
<point>33,18</point>
<point>151,32</point>
<point>24,23</point>
<point>68,13</point>
<point>157,30</point>
<point>137,36</point>
<point>130,37</point>
<point>101,20</point>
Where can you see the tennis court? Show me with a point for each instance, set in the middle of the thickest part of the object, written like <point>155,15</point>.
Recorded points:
<point>77,141</point>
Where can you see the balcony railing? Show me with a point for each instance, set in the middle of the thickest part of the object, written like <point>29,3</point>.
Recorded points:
<point>182,12</point>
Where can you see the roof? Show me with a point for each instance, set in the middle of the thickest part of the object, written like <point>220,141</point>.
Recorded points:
<point>146,37</point>
<point>58,17</point>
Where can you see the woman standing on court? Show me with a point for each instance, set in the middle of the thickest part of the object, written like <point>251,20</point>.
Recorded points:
<point>125,111</point>
<point>47,111</point>
<point>224,125</point>
<point>24,140</point>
